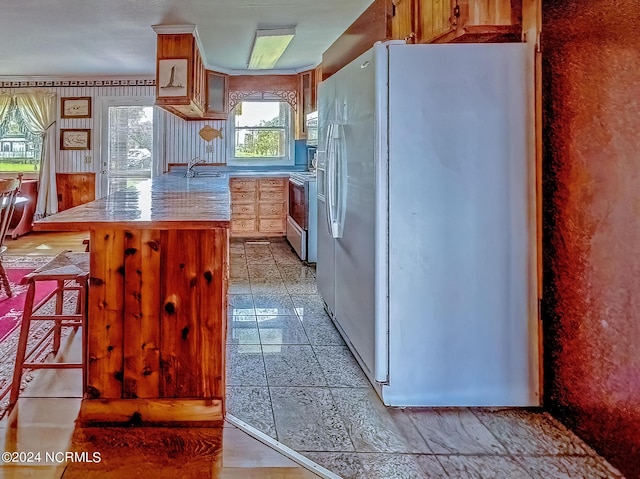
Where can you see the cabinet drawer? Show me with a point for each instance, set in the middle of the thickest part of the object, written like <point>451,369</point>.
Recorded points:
<point>242,184</point>
<point>272,225</point>
<point>272,182</point>
<point>243,209</point>
<point>243,225</point>
<point>276,209</point>
<point>273,194</point>
<point>243,196</point>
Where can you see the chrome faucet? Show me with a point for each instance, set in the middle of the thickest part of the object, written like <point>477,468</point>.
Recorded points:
<point>193,162</point>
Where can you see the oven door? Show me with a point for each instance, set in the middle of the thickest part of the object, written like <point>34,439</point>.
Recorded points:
<point>298,217</point>
<point>299,202</point>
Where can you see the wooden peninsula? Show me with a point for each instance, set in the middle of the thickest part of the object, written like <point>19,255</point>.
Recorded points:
<point>156,324</point>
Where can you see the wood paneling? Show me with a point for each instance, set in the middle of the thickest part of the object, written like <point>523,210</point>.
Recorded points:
<point>142,341</point>
<point>157,319</point>
<point>106,308</point>
<point>151,412</point>
<point>263,83</point>
<point>372,26</point>
<point>75,189</point>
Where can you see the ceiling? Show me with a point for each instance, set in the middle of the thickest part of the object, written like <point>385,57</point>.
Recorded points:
<point>114,37</point>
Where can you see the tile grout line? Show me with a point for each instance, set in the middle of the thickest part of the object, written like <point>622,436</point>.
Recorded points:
<point>509,454</point>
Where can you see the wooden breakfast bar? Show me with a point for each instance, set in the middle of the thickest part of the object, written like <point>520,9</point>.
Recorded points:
<point>156,325</point>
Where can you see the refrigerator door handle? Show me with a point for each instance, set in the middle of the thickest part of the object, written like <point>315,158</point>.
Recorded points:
<point>334,190</point>
<point>341,183</point>
<point>328,182</point>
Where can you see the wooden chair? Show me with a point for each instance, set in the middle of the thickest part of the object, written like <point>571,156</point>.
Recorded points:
<point>8,193</point>
<point>71,272</point>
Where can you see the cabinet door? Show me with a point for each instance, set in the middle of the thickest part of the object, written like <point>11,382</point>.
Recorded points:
<point>402,19</point>
<point>486,12</point>
<point>306,95</point>
<point>434,19</point>
<point>216,94</point>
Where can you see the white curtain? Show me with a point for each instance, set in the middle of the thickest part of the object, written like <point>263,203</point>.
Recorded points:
<point>38,109</point>
<point>5,101</point>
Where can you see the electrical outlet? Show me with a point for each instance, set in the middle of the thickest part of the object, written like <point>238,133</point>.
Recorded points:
<point>209,149</point>
<point>87,159</point>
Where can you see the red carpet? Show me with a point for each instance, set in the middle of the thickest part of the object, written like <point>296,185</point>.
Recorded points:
<point>10,320</point>
<point>11,308</point>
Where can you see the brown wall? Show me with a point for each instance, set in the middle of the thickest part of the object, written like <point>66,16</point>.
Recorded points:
<point>591,181</point>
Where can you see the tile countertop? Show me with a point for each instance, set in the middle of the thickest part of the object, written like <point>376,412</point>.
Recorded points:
<point>170,201</point>
<point>230,172</point>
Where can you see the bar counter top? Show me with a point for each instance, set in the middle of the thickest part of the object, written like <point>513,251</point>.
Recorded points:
<point>169,201</point>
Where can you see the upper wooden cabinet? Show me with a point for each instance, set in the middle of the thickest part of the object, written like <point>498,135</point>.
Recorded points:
<point>402,19</point>
<point>444,21</point>
<point>217,95</point>
<point>181,80</point>
<point>306,100</point>
<point>434,19</point>
<point>425,21</point>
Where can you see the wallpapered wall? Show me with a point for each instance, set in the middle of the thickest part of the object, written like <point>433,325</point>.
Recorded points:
<point>179,139</point>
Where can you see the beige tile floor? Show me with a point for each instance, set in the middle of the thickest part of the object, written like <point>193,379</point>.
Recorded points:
<point>44,421</point>
<point>291,376</point>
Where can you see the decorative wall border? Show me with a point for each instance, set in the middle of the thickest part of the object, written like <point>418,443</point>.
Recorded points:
<point>72,83</point>
<point>290,97</point>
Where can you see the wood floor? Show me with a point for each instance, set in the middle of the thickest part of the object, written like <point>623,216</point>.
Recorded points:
<point>45,243</point>
<point>41,430</point>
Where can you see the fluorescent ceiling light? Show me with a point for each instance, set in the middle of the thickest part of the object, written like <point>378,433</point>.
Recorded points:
<point>268,47</point>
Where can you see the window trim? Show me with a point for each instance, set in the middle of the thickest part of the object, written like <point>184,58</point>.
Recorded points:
<point>288,160</point>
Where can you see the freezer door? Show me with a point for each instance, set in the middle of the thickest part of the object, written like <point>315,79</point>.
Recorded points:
<point>355,249</point>
<point>325,264</point>
<point>463,324</point>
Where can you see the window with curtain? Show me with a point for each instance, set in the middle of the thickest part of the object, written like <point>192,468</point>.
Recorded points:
<point>20,149</point>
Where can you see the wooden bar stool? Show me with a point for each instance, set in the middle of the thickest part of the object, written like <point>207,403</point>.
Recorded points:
<point>71,272</point>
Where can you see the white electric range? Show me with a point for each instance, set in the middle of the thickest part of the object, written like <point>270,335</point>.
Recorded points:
<point>302,218</point>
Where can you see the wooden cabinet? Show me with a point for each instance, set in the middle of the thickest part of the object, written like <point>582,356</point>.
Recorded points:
<point>306,100</point>
<point>434,19</point>
<point>444,21</point>
<point>258,206</point>
<point>402,19</point>
<point>181,80</point>
<point>75,189</point>
<point>217,92</point>
<point>425,21</point>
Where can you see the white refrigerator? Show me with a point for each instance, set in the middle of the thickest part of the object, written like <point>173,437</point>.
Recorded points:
<point>426,222</point>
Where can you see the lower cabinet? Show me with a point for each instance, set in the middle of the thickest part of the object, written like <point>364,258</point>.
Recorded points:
<point>258,206</point>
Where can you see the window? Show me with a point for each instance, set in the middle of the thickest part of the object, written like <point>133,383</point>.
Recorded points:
<point>19,148</point>
<point>261,133</point>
